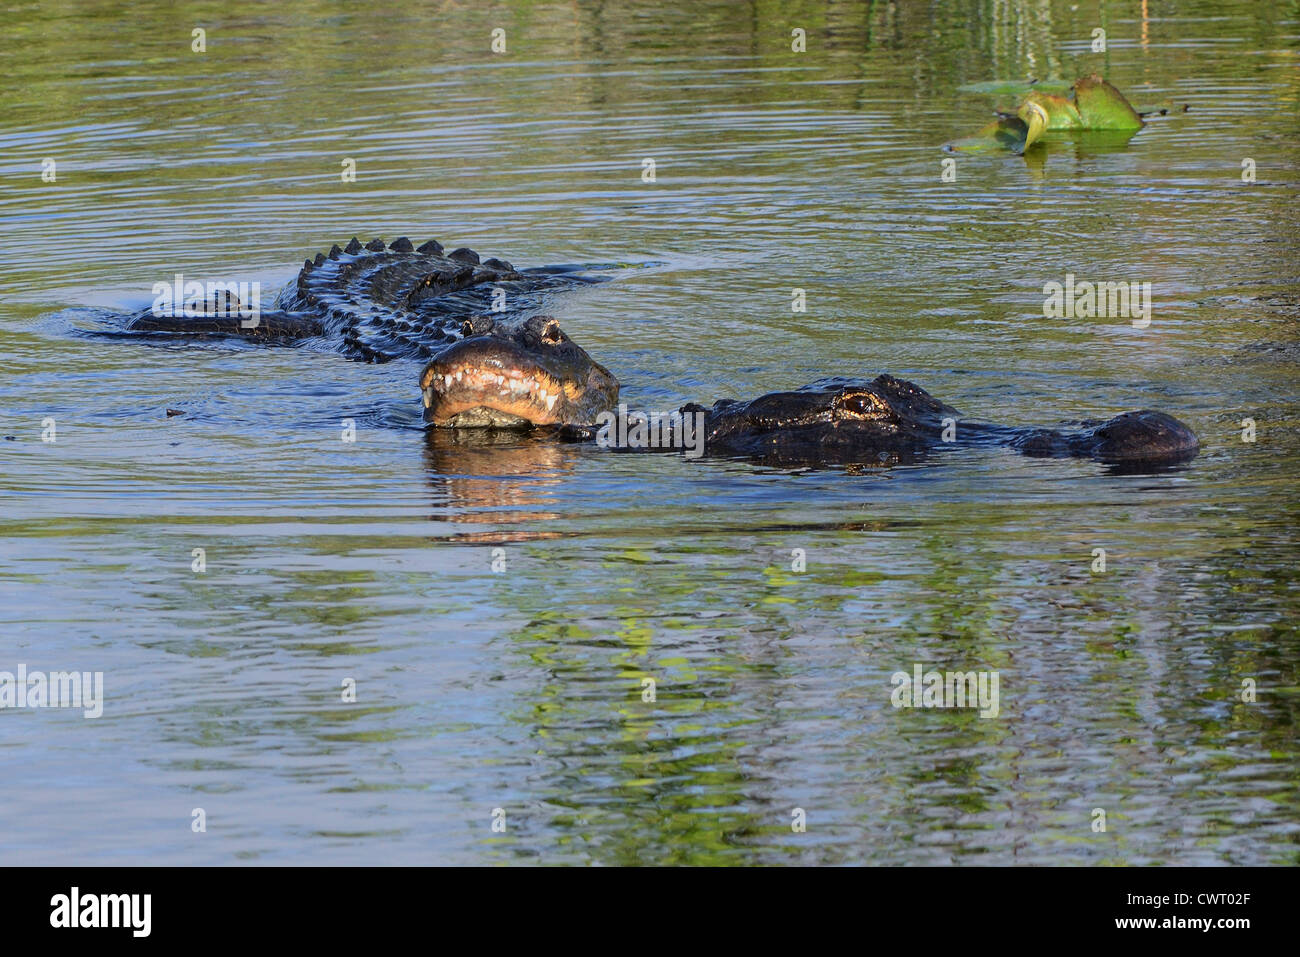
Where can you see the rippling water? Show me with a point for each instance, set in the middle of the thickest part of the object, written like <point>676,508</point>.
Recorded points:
<point>521,689</point>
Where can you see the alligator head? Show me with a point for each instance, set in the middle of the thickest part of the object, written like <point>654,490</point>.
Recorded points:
<point>889,421</point>
<point>515,375</point>
<point>830,421</point>
<point>1130,442</point>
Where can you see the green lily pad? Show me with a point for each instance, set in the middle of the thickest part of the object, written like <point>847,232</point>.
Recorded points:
<point>1093,105</point>
<point>1061,112</point>
<point>1016,132</point>
<point>1004,133</point>
<point>1015,87</point>
<point>1103,107</point>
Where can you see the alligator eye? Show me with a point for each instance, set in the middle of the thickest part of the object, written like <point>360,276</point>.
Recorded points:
<point>856,403</point>
<point>551,333</point>
<point>467,328</point>
<point>864,404</point>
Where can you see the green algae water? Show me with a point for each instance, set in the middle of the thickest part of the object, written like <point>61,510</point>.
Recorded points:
<point>371,651</point>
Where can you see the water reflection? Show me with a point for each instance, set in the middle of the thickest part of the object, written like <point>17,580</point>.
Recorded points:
<point>496,477</point>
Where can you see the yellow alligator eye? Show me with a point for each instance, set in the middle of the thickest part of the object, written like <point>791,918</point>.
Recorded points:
<point>467,328</point>
<point>860,404</point>
<point>551,333</point>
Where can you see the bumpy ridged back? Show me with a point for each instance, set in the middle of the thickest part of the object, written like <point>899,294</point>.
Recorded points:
<point>385,302</point>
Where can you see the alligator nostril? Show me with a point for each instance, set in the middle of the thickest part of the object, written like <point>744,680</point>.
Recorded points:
<point>476,326</point>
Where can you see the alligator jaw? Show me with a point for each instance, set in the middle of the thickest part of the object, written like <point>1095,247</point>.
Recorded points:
<point>501,391</point>
<point>516,376</point>
<point>483,417</point>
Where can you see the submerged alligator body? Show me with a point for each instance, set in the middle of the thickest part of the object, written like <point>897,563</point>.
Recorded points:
<point>889,420</point>
<point>492,362</point>
<point>379,302</point>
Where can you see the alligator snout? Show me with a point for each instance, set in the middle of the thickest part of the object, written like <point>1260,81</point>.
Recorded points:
<point>1142,436</point>
<point>515,375</point>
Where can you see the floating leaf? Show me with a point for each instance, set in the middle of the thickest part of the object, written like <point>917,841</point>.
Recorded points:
<point>1004,133</point>
<point>1036,120</point>
<point>1016,133</point>
<point>1015,87</point>
<point>1093,105</point>
<point>1061,112</point>
<point>1103,107</point>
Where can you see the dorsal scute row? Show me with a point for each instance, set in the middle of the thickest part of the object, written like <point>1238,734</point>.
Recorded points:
<point>418,273</point>
<point>355,247</point>
<point>354,256</point>
<point>386,300</point>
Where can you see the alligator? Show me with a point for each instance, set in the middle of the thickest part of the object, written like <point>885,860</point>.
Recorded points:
<point>514,368</point>
<point>888,421</point>
<point>379,302</point>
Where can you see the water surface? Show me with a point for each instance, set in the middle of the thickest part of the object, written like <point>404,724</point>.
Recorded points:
<point>521,689</point>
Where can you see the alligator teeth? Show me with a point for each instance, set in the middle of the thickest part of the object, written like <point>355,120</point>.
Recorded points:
<point>550,403</point>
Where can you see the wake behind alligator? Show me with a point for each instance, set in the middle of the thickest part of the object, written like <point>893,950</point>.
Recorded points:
<point>492,361</point>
